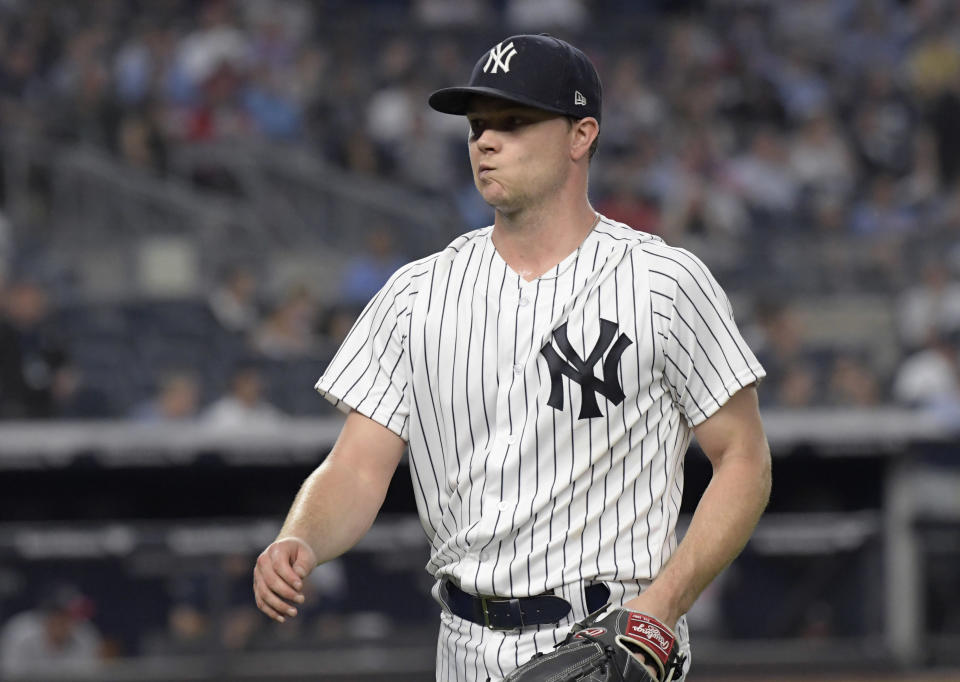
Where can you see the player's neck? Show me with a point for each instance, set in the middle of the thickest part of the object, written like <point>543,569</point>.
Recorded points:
<point>534,241</point>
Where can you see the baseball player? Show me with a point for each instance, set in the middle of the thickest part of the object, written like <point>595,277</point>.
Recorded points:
<point>546,374</point>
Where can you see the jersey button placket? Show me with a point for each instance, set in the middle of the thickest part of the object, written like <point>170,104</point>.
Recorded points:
<point>505,438</point>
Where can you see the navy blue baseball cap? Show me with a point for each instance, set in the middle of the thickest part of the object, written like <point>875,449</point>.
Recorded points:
<point>538,71</point>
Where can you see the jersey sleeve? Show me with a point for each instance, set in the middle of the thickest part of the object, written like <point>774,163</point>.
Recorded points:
<point>705,358</point>
<point>369,371</point>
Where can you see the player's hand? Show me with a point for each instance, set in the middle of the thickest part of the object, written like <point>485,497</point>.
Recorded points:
<point>278,577</point>
<point>645,602</point>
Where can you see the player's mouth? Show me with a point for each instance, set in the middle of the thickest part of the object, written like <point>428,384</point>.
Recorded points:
<point>484,168</point>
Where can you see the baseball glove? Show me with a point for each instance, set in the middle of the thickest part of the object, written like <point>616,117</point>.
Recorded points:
<point>602,650</point>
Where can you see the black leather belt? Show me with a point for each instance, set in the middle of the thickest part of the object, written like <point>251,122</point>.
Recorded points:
<point>504,613</point>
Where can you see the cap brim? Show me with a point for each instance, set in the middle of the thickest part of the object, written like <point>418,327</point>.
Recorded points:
<point>457,100</point>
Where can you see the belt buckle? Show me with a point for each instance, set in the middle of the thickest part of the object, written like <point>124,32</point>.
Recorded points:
<point>514,607</point>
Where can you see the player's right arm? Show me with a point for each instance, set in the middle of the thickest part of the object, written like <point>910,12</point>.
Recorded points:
<point>335,507</point>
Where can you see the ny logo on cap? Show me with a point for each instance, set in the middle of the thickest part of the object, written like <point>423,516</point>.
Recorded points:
<point>500,57</point>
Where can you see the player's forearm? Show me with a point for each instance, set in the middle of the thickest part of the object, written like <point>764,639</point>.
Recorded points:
<point>339,501</point>
<point>722,524</point>
<point>334,508</point>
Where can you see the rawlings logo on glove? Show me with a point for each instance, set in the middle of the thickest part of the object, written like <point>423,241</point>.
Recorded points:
<point>643,627</point>
<point>603,650</point>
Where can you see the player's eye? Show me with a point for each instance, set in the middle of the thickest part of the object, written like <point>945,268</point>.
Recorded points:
<point>477,126</point>
<point>504,124</point>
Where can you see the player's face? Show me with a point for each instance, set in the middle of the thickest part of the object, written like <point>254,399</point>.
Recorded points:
<point>519,154</point>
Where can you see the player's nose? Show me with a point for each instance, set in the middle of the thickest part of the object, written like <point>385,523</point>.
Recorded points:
<point>488,140</point>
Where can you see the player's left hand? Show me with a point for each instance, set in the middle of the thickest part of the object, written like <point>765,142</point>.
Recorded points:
<point>646,602</point>
<point>603,648</point>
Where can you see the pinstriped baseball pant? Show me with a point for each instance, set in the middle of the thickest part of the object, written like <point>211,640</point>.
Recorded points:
<point>467,652</point>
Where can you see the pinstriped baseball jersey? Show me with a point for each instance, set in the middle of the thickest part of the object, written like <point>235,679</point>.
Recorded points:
<point>547,420</point>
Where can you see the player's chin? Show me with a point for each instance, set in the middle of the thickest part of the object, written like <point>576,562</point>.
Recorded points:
<point>493,194</point>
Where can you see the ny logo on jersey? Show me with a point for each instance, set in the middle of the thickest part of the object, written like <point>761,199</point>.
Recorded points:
<point>580,371</point>
<point>500,57</point>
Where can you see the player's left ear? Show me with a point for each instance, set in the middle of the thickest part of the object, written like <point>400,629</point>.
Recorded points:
<point>583,132</point>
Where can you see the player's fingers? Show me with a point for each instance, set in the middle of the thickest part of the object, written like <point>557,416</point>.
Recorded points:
<point>304,561</point>
<point>302,558</point>
<point>271,603</point>
<point>284,590</point>
<point>258,597</point>
<point>268,610</point>
<point>276,560</point>
<point>281,607</point>
<point>273,568</point>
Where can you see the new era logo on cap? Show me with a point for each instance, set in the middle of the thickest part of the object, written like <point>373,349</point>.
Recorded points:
<point>538,71</point>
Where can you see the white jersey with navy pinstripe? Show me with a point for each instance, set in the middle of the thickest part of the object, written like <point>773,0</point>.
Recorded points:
<point>547,420</point>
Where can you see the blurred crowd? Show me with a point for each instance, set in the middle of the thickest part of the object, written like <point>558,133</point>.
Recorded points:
<point>829,125</point>
<point>72,627</point>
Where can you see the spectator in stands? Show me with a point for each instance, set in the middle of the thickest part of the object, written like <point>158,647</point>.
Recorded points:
<point>75,398</point>
<point>139,62</point>
<point>765,180</point>
<point>177,399</point>
<point>234,301</point>
<point>364,275</point>
<point>829,215</point>
<point>336,322</point>
<point>216,42</point>
<point>141,143</point>
<point>820,157</point>
<point>777,334</point>
<point>423,159</point>
<point>883,120</point>
<point>627,204</point>
<point>32,354</point>
<point>19,77</point>
<point>931,307</point>
<point>87,110</point>
<point>55,639</point>
<point>289,328</point>
<point>634,104</point>
<point>929,379</point>
<point>798,387</point>
<point>852,383</point>
<point>803,89</point>
<point>881,213</point>
<point>209,610</point>
<point>274,112</point>
<point>391,109</point>
<point>933,67</point>
<point>241,621</point>
<point>243,405</point>
<point>694,200</point>
<point>188,627</point>
<point>920,188</point>
<point>943,116</point>
<point>220,115</point>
